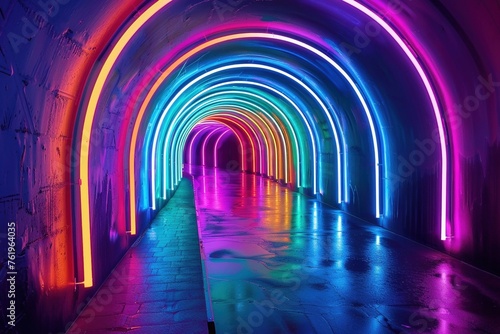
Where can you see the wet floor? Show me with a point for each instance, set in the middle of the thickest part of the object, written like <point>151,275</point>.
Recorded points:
<point>280,262</point>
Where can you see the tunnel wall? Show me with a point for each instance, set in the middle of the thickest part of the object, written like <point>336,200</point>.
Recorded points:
<point>43,68</point>
<point>43,78</point>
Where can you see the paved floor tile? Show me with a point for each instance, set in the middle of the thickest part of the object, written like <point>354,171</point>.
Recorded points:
<point>161,283</point>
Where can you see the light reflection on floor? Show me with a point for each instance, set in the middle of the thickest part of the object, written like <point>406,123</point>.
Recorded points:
<point>279,262</point>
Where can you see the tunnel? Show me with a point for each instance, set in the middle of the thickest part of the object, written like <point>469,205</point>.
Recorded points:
<point>337,143</point>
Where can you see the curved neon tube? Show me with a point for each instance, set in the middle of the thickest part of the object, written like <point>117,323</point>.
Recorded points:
<point>209,104</point>
<point>204,116</point>
<point>217,144</point>
<point>231,100</point>
<point>254,151</point>
<point>203,146</point>
<point>432,96</point>
<point>224,112</point>
<point>303,45</point>
<point>229,118</point>
<point>204,129</point>
<point>265,67</point>
<point>175,163</point>
<point>207,44</point>
<point>87,126</point>
<point>191,144</point>
<point>87,129</point>
<point>190,152</point>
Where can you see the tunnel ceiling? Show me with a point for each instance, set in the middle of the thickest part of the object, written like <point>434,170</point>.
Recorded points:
<point>384,109</point>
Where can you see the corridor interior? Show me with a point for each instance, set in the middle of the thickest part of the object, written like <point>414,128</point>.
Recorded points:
<point>249,166</point>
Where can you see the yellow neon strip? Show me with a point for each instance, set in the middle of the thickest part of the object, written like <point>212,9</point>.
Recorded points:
<point>86,132</point>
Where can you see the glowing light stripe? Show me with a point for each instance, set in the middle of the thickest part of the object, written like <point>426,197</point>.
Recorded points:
<point>238,112</point>
<point>203,115</point>
<point>207,44</point>
<point>336,66</point>
<point>85,142</point>
<point>229,118</point>
<point>220,124</point>
<point>262,110</point>
<point>243,163</point>
<point>143,18</point>
<point>432,97</point>
<point>217,144</point>
<point>254,150</point>
<point>173,146</point>
<point>231,100</point>
<point>199,48</point>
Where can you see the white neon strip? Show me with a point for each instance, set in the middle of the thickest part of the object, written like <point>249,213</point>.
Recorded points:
<point>432,96</point>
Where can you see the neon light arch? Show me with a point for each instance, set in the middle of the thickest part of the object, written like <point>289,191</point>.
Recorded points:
<point>214,115</point>
<point>373,132</point>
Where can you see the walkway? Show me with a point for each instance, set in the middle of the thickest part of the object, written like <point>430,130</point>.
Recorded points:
<point>158,286</point>
<point>279,262</point>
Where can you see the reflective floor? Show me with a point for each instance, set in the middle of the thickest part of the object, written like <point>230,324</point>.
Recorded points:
<point>279,262</point>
